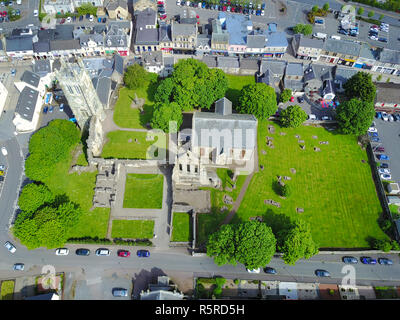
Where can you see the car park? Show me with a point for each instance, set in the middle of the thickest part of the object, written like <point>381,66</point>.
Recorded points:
<point>123,253</point>
<point>386,176</point>
<point>322,273</point>
<point>120,292</point>
<point>253,270</point>
<point>18,267</point>
<point>350,260</point>
<point>368,260</point>
<point>269,270</point>
<point>10,247</point>
<point>62,252</point>
<point>143,253</point>
<point>385,261</point>
<point>82,252</point>
<point>102,252</point>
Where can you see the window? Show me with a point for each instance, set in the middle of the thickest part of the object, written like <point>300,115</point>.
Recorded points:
<point>188,168</point>
<point>180,167</point>
<point>196,169</point>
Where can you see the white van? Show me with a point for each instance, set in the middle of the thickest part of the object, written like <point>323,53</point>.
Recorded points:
<point>335,37</point>
<point>320,35</point>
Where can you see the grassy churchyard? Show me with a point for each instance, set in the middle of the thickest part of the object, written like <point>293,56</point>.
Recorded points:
<point>333,186</point>
<point>144,191</point>
<point>132,229</point>
<point>182,227</point>
<point>7,290</point>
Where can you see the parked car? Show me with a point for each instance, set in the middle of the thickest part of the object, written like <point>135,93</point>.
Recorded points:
<point>91,18</point>
<point>253,270</point>
<point>62,107</point>
<point>45,109</point>
<point>51,109</point>
<point>378,115</point>
<point>143,253</point>
<point>390,117</point>
<point>69,19</point>
<point>383,157</point>
<point>119,292</point>
<point>35,13</point>
<point>372,129</point>
<point>349,259</point>
<point>13,72</point>
<point>312,117</point>
<point>124,253</point>
<point>368,260</point>
<point>385,116</point>
<point>82,252</point>
<point>62,252</point>
<point>62,21</point>
<point>10,247</point>
<point>384,165</point>
<point>80,18</point>
<point>326,118</point>
<point>4,151</point>
<point>104,20</point>
<point>102,252</point>
<point>373,134</point>
<point>380,149</point>
<point>300,99</point>
<point>322,273</point>
<point>19,267</point>
<point>383,171</point>
<point>269,270</point>
<point>385,261</point>
<point>375,139</point>
<point>386,176</point>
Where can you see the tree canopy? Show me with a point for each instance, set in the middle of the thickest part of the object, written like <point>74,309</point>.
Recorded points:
<point>164,113</point>
<point>251,243</point>
<point>285,95</point>
<point>136,77</point>
<point>87,8</point>
<point>293,116</point>
<point>360,86</point>
<point>305,29</point>
<point>355,116</point>
<point>33,196</point>
<point>192,85</point>
<point>295,242</point>
<point>258,99</point>
<point>48,146</point>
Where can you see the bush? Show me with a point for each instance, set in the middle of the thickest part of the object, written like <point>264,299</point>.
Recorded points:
<point>360,11</point>
<point>384,245</point>
<point>285,190</point>
<point>371,14</point>
<point>89,240</point>
<point>285,95</point>
<point>236,281</point>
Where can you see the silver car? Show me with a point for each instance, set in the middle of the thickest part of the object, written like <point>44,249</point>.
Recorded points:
<point>19,267</point>
<point>10,247</point>
<point>120,292</point>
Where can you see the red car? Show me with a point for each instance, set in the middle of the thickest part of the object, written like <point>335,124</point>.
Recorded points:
<point>164,16</point>
<point>223,8</point>
<point>291,99</point>
<point>232,9</point>
<point>160,2</point>
<point>62,21</point>
<point>124,253</point>
<point>4,13</point>
<point>197,16</point>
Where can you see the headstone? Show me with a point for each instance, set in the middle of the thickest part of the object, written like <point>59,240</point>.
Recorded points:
<point>282,133</point>
<point>224,208</point>
<point>317,149</point>
<point>363,161</point>
<point>228,189</point>
<point>137,141</point>
<point>293,170</point>
<point>261,167</point>
<point>299,210</point>
<point>303,147</point>
<point>301,141</point>
<point>149,138</point>
<point>227,199</point>
<point>314,137</point>
<point>287,178</point>
<point>130,140</point>
<point>263,152</point>
<point>297,136</point>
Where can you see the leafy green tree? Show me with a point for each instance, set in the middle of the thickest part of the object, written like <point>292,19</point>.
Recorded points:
<point>360,86</point>
<point>296,242</point>
<point>371,14</point>
<point>382,244</point>
<point>305,29</point>
<point>258,99</point>
<point>315,9</point>
<point>360,11</point>
<point>326,6</point>
<point>285,95</point>
<point>164,113</point>
<point>221,245</point>
<point>26,232</point>
<point>34,196</point>
<point>136,77</point>
<point>355,116</point>
<point>87,8</point>
<point>52,234</point>
<point>255,244</point>
<point>164,91</point>
<point>293,116</point>
<point>286,190</point>
<point>381,16</point>
<point>68,214</point>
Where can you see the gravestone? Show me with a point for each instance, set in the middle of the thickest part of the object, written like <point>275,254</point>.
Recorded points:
<point>314,137</point>
<point>317,149</point>
<point>287,178</point>
<point>303,147</point>
<point>282,133</point>
<point>263,152</point>
<point>293,170</point>
<point>227,199</point>
<point>261,167</point>
<point>300,141</point>
<point>299,210</point>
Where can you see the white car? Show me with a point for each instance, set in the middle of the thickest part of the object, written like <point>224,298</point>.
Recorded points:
<point>386,176</point>
<point>391,119</point>
<point>188,3</point>
<point>312,117</point>
<point>91,18</point>
<point>62,252</point>
<point>178,3</point>
<point>253,270</point>
<point>372,129</point>
<point>102,252</point>
<point>35,13</point>
<point>385,116</point>
<point>262,12</point>
<point>326,118</point>
<point>69,19</point>
<point>382,171</point>
<point>373,38</point>
<point>4,151</point>
<point>10,247</point>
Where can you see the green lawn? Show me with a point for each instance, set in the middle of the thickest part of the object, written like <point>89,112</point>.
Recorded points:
<point>81,161</point>
<point>144,191</point>
<point>133,229</point>
<point>385,292</point>
<point>7,290</point>
<point>80,189</point>
<point>125,116</point>
<point>122,145</point>
<point>182,227</point>
<point>333,186</point>
<point>235,84</point>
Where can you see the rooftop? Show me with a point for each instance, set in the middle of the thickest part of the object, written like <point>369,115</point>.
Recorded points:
<point>342,46</point>
<point>26,103</point>
<point>387,93</point>
<point>30,78</point>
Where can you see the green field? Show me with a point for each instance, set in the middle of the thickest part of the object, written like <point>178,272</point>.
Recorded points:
<point>130,145</point>
<point>182,227</point>
<point>144,191</point>
<point>235,84</point>
<point>132,229</point>
<point>7,290</point>
<point>125,116</point>
<point>333,186</point>
<point>79,188</point>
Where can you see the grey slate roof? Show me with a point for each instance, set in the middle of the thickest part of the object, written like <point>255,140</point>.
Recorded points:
<point>119,64</point>
<point>317,71</point>
<point>165,33</point>
<point>169,61</point>
<point>275,66</point>
<point>256,41</point>
<point>26,103</point>
<point>64,44</point>
<point>294,69</point>
<point>146,36</point>
<point>390,56</point>
<point>342,46</point>
<point>84,38</point>
<point>293,84</point>
<point>210,61</point>
<point>152,58</point>
<point>19,44</point>
<point>328,87</point>
<point>182,29</point>
<point>223,106</point>
<point>31,78</point>
<point>307,42</point>
<point>343,74</point>
<point>203,40</point>
<point>64,32</point>
<point>227,62</point>
<point>47,34</point>
<point>145,18</point>
<point>103,89</point>
<point>205,122</point>
<point>41,46</point>
<point>249,64</point>
<point>367,52</point>
<point>220,37</point>
<point>114,4</point>
<point>42,67</point>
